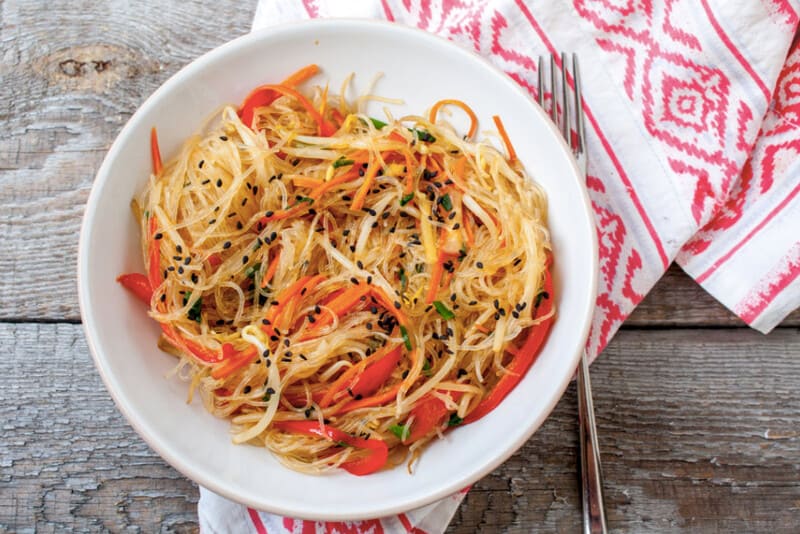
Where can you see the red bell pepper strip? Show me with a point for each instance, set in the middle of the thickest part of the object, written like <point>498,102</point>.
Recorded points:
<point>523,358</point>
<point>376,374</point>
<point>377,450</point>
<point>138,284</point>
<point>428,415</point>
<point>351,376</point>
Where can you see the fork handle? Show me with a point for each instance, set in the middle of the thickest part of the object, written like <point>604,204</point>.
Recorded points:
<point>594,512</point>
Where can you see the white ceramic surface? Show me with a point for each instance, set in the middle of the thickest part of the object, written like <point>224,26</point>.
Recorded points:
<point>420,69</point>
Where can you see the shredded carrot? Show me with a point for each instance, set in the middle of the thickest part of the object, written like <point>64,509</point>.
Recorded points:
<point>155,152</point>
<point>301,75</point>
<point>512,155</point>
<point>339,306</point>
<point>473,127</point>
<point>482,328</point>
<point>154,254</point>
<point>361,194</point>
<point>305,181</point>
<point>347,176</point>
<point>375,400</point>
<point>283,299</point>
<point>325,128</point>
<point>272,268</point>
<point>467,225</point>
<point>410,175</point>
<point>436,278</point>
<point>233,360</point>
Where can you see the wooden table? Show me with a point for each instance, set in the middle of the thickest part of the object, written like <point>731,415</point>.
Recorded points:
<point>699,416</point>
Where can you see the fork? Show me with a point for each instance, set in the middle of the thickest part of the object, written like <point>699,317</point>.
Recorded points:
<point>594,515</point>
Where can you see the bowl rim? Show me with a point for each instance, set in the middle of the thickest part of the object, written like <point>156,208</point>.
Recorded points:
<point>187,468</point>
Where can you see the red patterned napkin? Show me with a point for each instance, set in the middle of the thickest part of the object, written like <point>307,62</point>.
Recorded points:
<point>693,130</point>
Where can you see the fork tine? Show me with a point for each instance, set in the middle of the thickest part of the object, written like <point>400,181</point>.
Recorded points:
<point>553,89</point>
<point>566,124</point>
<point>540,92</point>
<point>576,78</point>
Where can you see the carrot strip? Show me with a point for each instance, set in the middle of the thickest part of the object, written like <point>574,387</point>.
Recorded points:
<point>436,278</point>
<point>512,155</point>
<point>473,127</point>
<point>272,268</point>
<point>352,174</point>
<point>482,328</point>
<point>376,400</point>
<point>361,194</point>
<point>233,360</point>
<point>301,75</point>
<point>305,181</point>
<point>339,306</point>
<point>154,255</point>
<point>325,128</point>
<point>337,117</point>
<point>155,152</point>
<point>468,230</point>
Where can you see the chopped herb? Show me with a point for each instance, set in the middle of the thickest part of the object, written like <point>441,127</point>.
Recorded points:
<point>251,271</point>
<point>455,420</point>
<point>420,267</point>
<point>377,123</point>
<point>401,431</point>
<point>406,339</point>
<point>341,162</point>
<point>406,199</point>
<point>403,279</point>
<point>446,202</point>
<point>424,136</point>
<point>426,368</point>
<point>342,444</point>
<point>443,310</point>
<point>194,312</point>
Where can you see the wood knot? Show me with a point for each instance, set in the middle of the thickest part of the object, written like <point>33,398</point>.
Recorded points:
<point>95,67</point>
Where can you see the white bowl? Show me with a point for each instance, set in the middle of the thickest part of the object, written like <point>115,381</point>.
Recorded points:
<point>421,69</point>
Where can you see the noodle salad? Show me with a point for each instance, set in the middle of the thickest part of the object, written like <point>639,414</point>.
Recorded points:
<point>344,289</point>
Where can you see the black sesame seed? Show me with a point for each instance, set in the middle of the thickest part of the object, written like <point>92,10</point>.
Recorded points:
<point>456,226</point>
<point>187,260</point>
<point>200,165</point>
<point>269,213</point>
<point>473,302</point>
<point>453,297</point>
<point>496,316</point>
<point>479,265</point>
<point>220,322</point>
<point>246,390</point>
<point>158,235</point>
<point>171,268</point>
<point>239,225</point>
<point>245,259</point>
<point>461,372</point>
<point>502,311</point>
<point>311,319</point>
<point>286,342</point>
<point>223,137</point>
<point>219,182</point>
<point>255,189</point>
<point>496,304</point>
<point>397,305</point>
<point>360,264</point>
<point>374,310</point>
<point>226,244</point>
<point>212,221</point>
<point>163,297</point>
<point>354,280</point>
<point>346,232</point>
<point>515,314</point>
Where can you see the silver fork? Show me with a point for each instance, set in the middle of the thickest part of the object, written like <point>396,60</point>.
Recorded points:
<point>594,514</point>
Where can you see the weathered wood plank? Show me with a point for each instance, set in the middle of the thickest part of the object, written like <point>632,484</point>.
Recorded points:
<point>698,429</point>
<point>677,301</point>
<point>71,74</point>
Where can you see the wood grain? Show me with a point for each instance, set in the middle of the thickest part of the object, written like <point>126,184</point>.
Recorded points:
<point>698,430</point>
<point>72,73</point>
